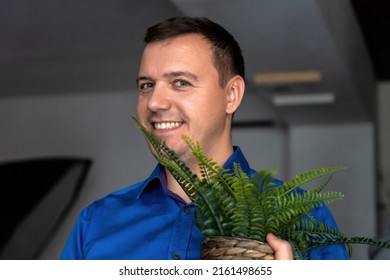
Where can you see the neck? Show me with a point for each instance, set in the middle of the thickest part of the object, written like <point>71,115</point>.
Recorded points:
<point>174,187</point>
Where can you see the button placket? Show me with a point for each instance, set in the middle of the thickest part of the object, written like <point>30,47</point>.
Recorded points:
<point>176,256</point>
<point>181,234</point>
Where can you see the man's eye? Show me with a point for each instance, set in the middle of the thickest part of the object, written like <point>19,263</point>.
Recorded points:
<point>181,83</point>
<point>145,86</point>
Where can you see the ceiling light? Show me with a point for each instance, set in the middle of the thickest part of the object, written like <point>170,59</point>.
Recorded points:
<point>287,77</point>
<point>303,99</point>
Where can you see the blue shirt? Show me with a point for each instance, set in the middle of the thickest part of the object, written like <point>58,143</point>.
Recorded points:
<point>147,222</point>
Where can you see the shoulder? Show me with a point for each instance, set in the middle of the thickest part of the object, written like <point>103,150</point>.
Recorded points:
<point>114,200</point>
<point>277,182</point>
<point>121,199</point>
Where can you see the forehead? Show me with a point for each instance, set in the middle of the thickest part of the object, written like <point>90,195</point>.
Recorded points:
<point>192,48</point>
<point>190,40</point>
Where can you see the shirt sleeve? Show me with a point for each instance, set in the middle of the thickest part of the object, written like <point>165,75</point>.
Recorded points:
<point>74,249</point>
<point>331,252</point>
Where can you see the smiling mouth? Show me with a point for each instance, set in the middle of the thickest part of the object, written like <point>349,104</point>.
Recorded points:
<point>166,125</point>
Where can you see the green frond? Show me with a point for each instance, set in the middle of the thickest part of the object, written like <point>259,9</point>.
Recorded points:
<point>264,180</point>
<point>245,196</point>
<point>168,158</point>
<point>299,180</point>
<point>209,169</point>
<point>212,211</point>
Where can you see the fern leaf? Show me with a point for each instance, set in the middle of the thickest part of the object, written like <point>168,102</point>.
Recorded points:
<point>299,180</point>
<point>210,170</point>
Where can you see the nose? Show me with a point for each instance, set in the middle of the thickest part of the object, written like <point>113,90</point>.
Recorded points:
<point>159,99</point>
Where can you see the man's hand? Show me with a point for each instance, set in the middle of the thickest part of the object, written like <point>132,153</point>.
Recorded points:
<point>281,247</point>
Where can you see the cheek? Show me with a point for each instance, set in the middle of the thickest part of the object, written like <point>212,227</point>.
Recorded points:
<point>216,105</point>
<point>209,113</point>
<point>214,98</point>
<point>209,109</point>
<point>141,105</point>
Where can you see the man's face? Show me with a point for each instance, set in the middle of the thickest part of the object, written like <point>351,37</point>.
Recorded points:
<point>180,94</point>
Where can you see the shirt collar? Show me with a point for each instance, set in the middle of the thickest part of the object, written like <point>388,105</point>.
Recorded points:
<point>155,176</point>
<point>158,174</point>
<point>238,157</point>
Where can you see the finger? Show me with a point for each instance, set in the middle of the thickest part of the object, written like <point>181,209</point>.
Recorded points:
<point>281,247</point>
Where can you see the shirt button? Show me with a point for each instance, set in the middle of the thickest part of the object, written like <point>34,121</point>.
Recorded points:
<point>187,210</point>
<point>176,256</point>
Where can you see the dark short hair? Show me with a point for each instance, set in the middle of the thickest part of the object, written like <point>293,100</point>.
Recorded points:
<point>227,55</point>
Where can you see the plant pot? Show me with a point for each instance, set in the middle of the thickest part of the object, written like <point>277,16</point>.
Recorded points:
<point>235,248</point>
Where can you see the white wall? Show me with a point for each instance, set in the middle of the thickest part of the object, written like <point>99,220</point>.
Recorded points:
<point>350,145</point>
<point>264,147</point>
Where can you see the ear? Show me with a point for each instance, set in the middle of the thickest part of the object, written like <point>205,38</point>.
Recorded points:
<point>235,92</point>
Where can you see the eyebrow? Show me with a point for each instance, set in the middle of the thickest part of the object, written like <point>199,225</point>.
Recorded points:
<point>142,78</point>
<point>172,74</point>
<point>186,74</point>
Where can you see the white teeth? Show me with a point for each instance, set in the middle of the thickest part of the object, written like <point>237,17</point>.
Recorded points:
<point>167,125</point>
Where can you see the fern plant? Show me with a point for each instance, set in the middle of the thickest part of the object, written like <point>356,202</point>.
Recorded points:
<point>231,203</point>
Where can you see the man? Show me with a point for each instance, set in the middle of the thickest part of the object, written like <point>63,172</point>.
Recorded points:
<point>190,81</point>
